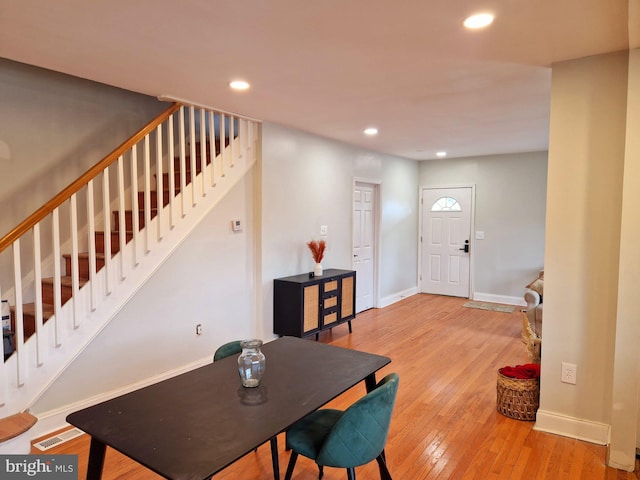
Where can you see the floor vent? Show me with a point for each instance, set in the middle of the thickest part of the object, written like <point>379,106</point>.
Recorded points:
<point>58,439</point>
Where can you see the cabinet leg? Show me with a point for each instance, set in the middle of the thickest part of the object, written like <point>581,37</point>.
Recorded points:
<point>349,322</point>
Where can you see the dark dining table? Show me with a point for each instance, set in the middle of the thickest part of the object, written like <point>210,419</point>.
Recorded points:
<point>191,426</point>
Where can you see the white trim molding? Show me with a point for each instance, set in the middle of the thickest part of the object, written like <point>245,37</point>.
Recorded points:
<point>571,427</point>
<point>396,297</point>
<point>491,298</point>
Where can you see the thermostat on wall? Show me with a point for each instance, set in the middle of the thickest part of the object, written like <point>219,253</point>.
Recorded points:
<point>236,225</point>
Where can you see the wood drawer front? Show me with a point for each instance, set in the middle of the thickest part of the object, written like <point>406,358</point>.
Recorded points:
<point>330,286</point>
<point>330,318</point>
<point>311,308</point>
<point>330,302</point>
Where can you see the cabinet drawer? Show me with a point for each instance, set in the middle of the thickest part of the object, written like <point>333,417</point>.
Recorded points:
<point>330,302</point>
<point>330,318</point>
<point>330,286</point>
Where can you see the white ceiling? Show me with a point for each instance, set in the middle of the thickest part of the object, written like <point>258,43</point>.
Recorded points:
<point>333,67</point>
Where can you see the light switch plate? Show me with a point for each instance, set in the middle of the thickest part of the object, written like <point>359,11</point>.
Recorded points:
<point>479,235</point>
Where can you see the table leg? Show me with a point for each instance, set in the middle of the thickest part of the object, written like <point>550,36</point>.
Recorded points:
<point>370,382</point>
<point>96,459</point>
<point>274,457</point>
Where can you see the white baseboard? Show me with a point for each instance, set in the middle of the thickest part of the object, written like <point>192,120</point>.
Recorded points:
<point>571,427</point>
<point>489,297</point>
<point>53,420</point>
<point>396,297</point>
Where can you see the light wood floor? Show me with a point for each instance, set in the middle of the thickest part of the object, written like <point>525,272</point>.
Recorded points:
<point>445,423</point>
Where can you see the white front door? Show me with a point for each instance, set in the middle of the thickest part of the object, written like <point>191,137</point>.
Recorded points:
<point>364,203</point>
<point>445,241</point>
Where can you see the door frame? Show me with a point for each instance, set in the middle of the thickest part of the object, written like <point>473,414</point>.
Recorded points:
<point>472,239</point>
<point>377,240</point>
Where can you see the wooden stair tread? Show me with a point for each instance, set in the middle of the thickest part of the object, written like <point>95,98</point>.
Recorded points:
<point>65,281</point>
<point>84,255</point>
<point>14,425</point>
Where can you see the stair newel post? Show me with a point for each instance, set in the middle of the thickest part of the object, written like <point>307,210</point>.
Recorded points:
<point>212,146</point>
<point>159,196</point>
<point>122,228</point>
<point>106,202</point>
<point>92,242</point>
<point>172,172</point>
<point>223,142</point>
<point>192,153</point>
<point>37,281</point>
<point>147,194</point>
<point>19,317</point>
<point>183,173</point>
<point>203,151</point>
<point>232,140</point>
<point>75,271</point>
<point>57,287</point>
<point>134,203</point>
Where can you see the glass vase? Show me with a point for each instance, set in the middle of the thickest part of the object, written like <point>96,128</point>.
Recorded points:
<point>251,362</point>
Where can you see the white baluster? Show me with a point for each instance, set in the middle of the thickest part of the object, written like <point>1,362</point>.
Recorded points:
<point>57,288</point>
<point>159,182</point>
<point>122,224</point>
<point>172,171</point>
<point>92,244</point>
<point>192,152</point>
<point>134,204</point>
<point>106,202</point>
<point>243,137</point>
<point>183,173</point>
<point>223,143</point>
<point>203,150</point>
<point>19,317</point>
<point>75,270</point>
<point>147,194</point>
<point>212,147</point>
<point>232,140</point>
<point>37,281</point>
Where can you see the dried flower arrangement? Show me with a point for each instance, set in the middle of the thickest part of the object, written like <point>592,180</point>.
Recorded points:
<point>317,248</point>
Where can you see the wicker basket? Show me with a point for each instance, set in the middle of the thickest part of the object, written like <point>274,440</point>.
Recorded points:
<point>518,398</point>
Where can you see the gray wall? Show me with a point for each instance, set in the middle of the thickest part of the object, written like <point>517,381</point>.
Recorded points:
<point>308,182</point>
<point>510,209</point>
<point>53,127</point>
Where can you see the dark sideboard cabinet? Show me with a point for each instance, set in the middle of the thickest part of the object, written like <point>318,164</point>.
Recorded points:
<point>304,305</point>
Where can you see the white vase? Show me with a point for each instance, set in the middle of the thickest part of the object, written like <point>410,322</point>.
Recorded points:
<point>317,270</point>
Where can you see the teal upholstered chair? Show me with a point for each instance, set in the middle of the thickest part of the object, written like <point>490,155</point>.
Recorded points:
<point>346,439</point>
<point>227,350</point>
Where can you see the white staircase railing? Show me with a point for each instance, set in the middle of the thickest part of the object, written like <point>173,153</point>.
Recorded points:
<point>117,223</point>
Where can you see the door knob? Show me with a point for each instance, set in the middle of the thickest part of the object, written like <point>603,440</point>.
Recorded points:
<point>466,246</point>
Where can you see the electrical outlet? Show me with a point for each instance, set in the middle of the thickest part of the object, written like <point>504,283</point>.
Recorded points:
<point>199,329</point>
<point>569,373</point>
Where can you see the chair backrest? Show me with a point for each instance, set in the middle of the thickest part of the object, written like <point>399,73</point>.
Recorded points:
<point>227,350</point>
<point>361,433</point>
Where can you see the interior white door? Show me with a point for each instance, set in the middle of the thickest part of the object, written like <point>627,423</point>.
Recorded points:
<point>445,241</point>
<point>364,204</point>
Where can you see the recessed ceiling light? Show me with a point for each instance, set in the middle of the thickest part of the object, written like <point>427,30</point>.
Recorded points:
<point>371,131</point>
<point>480,20</point>
<point>441,154</point>
<point>239,85</point>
